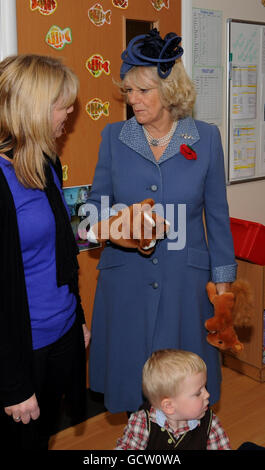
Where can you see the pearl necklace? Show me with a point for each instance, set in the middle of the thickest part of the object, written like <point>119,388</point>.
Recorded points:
<point>160,142</point>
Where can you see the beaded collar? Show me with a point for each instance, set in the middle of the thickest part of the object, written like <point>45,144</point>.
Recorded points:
<point>132,135</point>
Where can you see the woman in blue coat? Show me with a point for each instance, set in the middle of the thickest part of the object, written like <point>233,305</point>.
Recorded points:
<point>148,302</point>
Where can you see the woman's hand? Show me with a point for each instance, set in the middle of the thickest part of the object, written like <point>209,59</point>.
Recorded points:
<point>87,335</point>
<point>222,287</point>
<point>24,411</point>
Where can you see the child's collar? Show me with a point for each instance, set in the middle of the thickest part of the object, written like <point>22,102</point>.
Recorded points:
<point>161,419</point>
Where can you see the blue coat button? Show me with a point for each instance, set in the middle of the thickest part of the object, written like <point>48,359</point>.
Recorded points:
<point>154,187</point>
<point>155,260</point>
<point>155,285</point>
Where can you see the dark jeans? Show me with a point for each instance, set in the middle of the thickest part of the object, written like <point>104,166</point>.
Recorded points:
<point>59,370</point>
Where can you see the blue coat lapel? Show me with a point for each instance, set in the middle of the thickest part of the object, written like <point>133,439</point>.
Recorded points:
<point>133,136</point>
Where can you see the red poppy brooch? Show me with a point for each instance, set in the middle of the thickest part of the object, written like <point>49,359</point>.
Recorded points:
<point>188,152</point>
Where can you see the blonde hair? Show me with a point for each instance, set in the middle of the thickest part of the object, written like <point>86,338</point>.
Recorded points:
<point>29,87</point>
<point>165,370</point>
<point>177,91</point>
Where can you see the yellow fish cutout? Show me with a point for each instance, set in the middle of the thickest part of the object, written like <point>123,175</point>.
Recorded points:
<point>65,172</point>
<point>96,65</point>
<point>45,7</point>
<point>98,16</point>
<point>96,108</point>
<point>58,38</point>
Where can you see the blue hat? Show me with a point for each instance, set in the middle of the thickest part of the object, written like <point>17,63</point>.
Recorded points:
<point>150,49</point>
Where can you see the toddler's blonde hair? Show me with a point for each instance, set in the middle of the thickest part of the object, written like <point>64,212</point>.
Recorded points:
<point>165,370</point>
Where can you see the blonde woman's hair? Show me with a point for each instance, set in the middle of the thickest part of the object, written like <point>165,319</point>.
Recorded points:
<point>165,370</point>
<point>177,91</point>
<point>30,85</point>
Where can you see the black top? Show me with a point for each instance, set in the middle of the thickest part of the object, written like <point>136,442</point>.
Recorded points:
<point>16,354</point>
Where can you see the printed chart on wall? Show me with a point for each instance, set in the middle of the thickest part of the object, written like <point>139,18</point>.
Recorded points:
<point>246,100</point>
<point>207,70</point>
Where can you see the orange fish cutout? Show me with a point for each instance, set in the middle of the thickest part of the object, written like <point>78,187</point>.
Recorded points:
<point>96,65</point>
<point>98,16</point>
<point>58,38</point>
<point>120,3</point>
<point>96,108</point>
<point>159,4</point>
<point>45,7</point>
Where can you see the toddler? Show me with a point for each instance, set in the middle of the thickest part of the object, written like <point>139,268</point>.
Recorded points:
<point>176,415</point>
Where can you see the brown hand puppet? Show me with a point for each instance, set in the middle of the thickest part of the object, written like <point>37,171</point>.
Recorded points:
<point>231,309</point>
<point>134,227</point>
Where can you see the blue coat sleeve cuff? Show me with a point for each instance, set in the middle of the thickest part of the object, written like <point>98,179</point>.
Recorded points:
<point>224,273</point>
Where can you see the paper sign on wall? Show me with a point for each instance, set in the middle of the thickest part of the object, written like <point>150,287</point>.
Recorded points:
<point>246,100</point>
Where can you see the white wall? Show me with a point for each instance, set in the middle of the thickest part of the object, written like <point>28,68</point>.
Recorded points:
<point>8,28</point>
<point>246,200</point>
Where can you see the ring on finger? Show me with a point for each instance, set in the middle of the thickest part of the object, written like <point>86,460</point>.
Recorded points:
<point>17,418</point>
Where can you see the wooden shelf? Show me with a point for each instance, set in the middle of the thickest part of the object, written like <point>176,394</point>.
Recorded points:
<point>249,361</point>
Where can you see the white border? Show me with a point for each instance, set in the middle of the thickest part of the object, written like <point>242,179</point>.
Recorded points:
<point>186,33</point>
<point>8,28</point>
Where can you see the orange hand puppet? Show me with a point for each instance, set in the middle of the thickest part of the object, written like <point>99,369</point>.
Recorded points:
<point>231,309</point>
<point>136,227</point>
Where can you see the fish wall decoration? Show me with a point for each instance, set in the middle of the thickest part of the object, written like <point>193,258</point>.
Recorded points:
<point>65,172</point>
<point>58,38</point>
<point>96,108</point>
<point>96,65</point>
<point>98,16</point>
<point>45,7</point>
<point>120,3</point>
<point>159,4</point>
